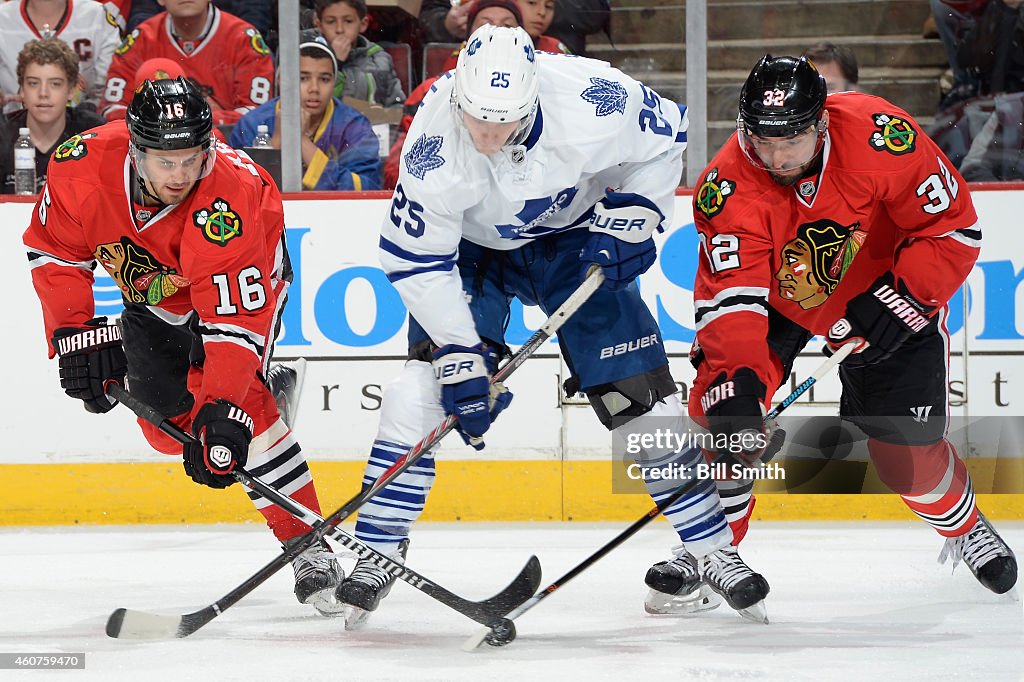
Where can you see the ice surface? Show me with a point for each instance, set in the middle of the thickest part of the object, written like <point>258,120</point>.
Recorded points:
<point>849,601</point>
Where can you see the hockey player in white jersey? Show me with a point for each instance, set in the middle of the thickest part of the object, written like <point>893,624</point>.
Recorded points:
<point>520,172</point>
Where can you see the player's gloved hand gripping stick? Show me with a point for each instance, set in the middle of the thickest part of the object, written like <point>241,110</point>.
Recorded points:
<point>189,623</point>
<point>502,631</point>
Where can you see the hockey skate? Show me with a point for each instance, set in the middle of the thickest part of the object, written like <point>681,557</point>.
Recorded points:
<point>677,588</point>
<point>285,382</point>
<point>742,589</point>
<point>360,594</point>
<point>317,575</point>
<point>990,559</point>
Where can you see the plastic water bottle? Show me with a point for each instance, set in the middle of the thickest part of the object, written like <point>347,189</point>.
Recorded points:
<point>262,139</point>
<point>24,164</point>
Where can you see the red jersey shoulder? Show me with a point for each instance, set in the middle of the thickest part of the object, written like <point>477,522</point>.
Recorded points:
<point>229,200</point>
<point>94,156</point>
<point>233,28</point>
<point>728,175</point>
<point>869,133</point>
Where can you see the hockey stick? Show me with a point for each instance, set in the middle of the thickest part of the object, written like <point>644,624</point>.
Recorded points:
<point>503,632</point>
<point>192,622</point>
<point>128,624</point>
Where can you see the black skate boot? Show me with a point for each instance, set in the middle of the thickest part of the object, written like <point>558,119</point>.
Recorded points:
<point>741,588</point>
<point>285,383</point>
<point>317,575</point>
<point>990,559</point>
<point>677,588</point>
<point>363,590</point>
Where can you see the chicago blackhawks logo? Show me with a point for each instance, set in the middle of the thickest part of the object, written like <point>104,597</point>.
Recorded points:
<point>711,195</point>
<point>256,41</point>
<point>126,45</point>
<point>813,262</point>
<point>73,148</point>
<point>141,278</point>
<point>219,224</point>
<point>895,136</point>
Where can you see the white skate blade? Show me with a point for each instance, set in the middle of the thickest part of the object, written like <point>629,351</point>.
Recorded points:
<point>698,601</point>
<point>355,617</point>
<point>756,613</point>
<point>326,604</point>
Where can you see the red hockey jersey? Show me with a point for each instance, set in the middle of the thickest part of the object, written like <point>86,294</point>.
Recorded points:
<point>218,255</point>
<point>886,199</point>
<point>231,64</point>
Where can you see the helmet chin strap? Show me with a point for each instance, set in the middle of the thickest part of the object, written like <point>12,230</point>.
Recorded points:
<point>140,190</point>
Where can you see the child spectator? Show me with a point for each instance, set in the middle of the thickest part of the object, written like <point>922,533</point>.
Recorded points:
<point>837,64</point>
<point>223,55</point>
<point>537,18</point>
<point>82,24</point>
<point>366,70</point>
<point>339,149</point>
<point>47,73</point>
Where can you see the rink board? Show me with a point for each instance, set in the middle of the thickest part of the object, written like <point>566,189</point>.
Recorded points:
<point>545,460</point>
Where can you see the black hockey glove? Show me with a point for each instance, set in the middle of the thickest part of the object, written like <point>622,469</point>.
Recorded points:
<point>736,419</point>
<point>881,319</point>
<point>89,357</point>
<point>621,240</point>
<point>224,431</point>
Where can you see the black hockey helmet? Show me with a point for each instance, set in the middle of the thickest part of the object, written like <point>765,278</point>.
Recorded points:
<point>169,114</point>
<point>781,97</point>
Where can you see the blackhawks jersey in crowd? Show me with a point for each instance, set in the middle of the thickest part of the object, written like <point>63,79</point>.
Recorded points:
<point>604,131</point>
<point>885,199</point>
<point>229,62</point>
<point>218,255</point>
<point>87,28</point>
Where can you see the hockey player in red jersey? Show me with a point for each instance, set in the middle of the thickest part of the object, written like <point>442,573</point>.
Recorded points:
<point>193,234</point>
<point>224,55</point>
<point>837,216</point>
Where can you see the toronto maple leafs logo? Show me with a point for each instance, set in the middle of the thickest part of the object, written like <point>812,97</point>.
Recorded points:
<point>609,96</point>
<point>533,215</point>
<point>424,155</point>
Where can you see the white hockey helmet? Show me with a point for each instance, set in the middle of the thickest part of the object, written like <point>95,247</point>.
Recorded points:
<point>496,78</point>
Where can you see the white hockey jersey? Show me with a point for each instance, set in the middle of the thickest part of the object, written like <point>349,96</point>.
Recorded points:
<point>87,28</point>
<point>596,129</point>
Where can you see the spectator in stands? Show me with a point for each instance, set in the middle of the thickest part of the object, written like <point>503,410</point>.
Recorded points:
<point>366,70</point>
<point>953,20</point>
<point>576,19</point>
<point>82,24</point>
<point>837,64</point>
<point>261,14</point>
<point>983,134</point>
<point>444,21</point>
<point>225,56</point>
<point>47,73</point>
<point>339,149</point>
<point>537,18</point>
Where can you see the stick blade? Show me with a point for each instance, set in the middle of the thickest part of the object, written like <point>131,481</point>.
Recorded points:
<point>474,641</point>
<point>522,588</point>
<point>129,624</point>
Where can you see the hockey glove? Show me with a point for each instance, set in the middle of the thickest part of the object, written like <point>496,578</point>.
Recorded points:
<point>621,240</point>
<point>224,431</point>
<point>735,416</point>
<point>881,319</point>
<point>466,392</point>
<point>90,356</point>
